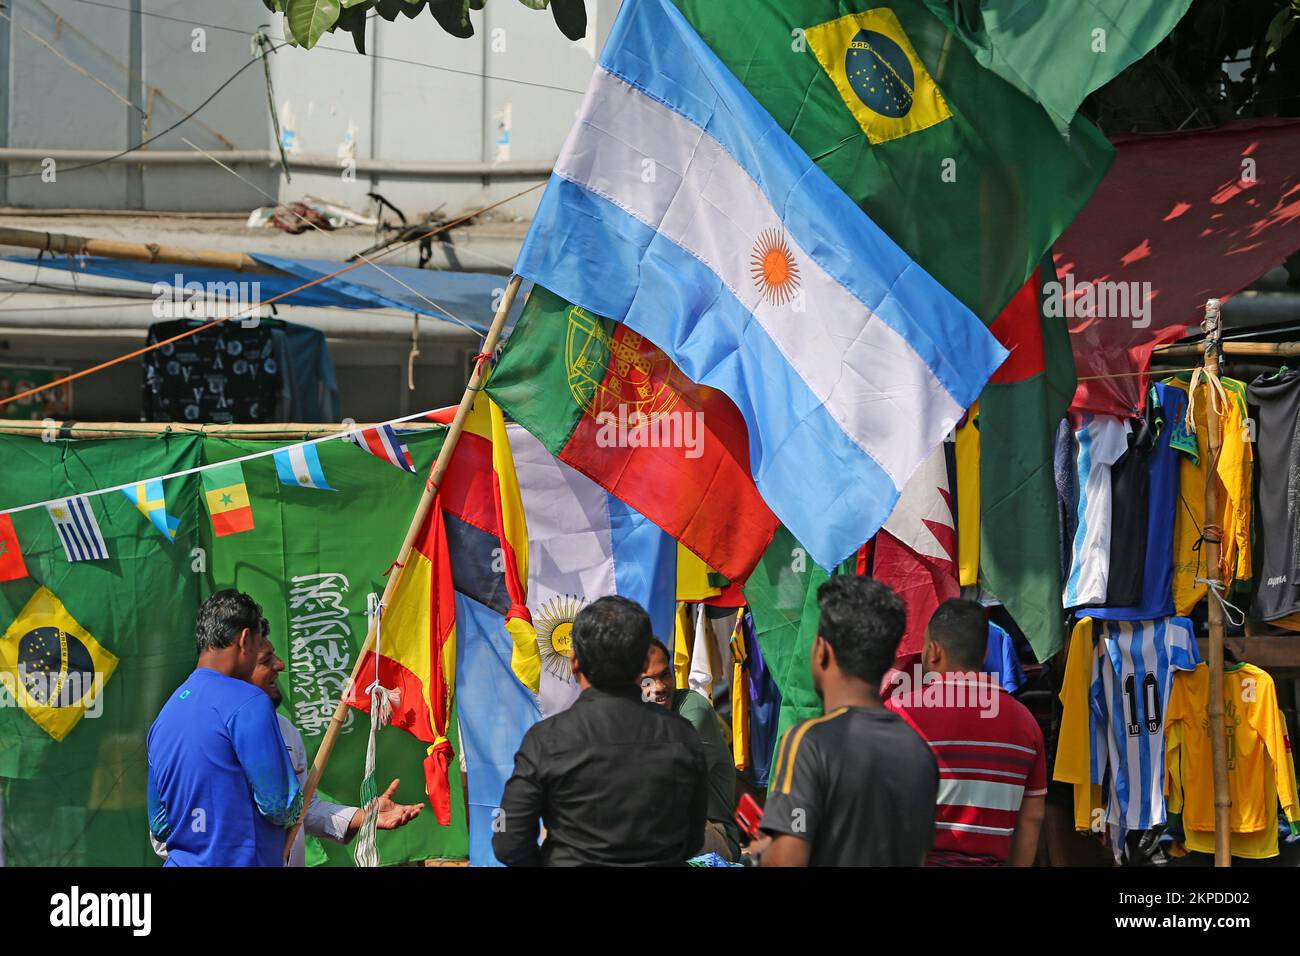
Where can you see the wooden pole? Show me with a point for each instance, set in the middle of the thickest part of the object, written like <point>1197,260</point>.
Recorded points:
<point>1211,532</point>
<point>62,244</point>
<point>277,431</point>
<point>1262,349</point>
<point>472,390</point>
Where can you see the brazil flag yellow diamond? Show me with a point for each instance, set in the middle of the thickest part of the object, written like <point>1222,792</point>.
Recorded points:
<point>881,79</point>
<point>52,666</point>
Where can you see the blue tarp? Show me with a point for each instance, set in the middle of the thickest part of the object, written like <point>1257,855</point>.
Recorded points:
<point>469,296</point>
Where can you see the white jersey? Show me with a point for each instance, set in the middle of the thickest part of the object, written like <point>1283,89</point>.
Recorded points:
<point>1103,440</point>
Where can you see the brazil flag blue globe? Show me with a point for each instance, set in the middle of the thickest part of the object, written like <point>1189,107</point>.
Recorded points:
<point>880,73</point>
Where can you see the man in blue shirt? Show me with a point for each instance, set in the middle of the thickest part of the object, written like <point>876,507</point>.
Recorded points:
<point>222,789</point>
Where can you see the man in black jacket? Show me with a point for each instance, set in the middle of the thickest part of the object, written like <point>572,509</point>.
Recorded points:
<point>615,782</point>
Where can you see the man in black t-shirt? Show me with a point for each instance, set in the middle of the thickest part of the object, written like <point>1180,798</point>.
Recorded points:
<point>856,786</point>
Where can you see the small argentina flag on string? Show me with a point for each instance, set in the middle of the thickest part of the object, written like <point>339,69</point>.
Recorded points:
<point>75,522</point>
<point>300,465</point>
<point>148,497</point>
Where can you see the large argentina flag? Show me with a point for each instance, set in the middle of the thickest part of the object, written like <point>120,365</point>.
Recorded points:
<point>679,207</point>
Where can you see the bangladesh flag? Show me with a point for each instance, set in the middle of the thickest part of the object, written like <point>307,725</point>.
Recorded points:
<point>782,598</point>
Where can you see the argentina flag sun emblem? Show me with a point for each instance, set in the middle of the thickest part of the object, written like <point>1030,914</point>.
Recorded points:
<point>878,74</point>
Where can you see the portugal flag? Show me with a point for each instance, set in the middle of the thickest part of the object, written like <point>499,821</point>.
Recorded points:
<point>608,403</point>
<point>416,655</point>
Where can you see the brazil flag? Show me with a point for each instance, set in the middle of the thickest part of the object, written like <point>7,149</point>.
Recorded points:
<point>964,171</point>
<point>98,646</point>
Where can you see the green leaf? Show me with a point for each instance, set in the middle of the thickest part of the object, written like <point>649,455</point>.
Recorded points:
<point>571,17</point>
<point>310,19</point>
<point>388,9</point>
<point>349,4</point>
<point>353,20</point>
<point>535,4</point>
<point>1279,29</point>
<point>453,16</point>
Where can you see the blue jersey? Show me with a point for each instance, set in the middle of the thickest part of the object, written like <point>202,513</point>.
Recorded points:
<point>1002,660</point>
<point>1162,502</point>
<point>1132,676</point>
<point>221,785</point>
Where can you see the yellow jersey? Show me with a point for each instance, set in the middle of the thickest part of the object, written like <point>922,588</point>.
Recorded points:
<point>1261,770</point>
<point>1235,470</point>
<point>968,499</point>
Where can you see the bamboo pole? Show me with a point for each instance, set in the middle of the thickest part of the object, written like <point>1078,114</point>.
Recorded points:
<point>1214,707</point>
<point>472,389</point>
<point>277,431</point>
<point>63,244</point>
<point>1282,349</point>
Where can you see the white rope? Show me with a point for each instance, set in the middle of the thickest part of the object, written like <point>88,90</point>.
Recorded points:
<point>215,464</point>
<point>1217,589</point>
<point>366,853</point>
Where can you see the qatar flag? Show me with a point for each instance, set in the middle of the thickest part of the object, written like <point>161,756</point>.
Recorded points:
<point>915,553</point>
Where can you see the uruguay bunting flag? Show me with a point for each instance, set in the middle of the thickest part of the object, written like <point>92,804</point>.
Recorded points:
<point>300,465</point>
<point>679,207</point>
<point>74,520</point>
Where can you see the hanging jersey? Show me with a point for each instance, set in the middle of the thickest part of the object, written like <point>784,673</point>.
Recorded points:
<point>1278,447</point>
<point>1235,471</point>
<point>1261,770</point>
<point>1073,762</point>
<point>1102,439</point>
<point>1002,661</point>
<point>968,499</point>
<point>1131,684</point>
<point>1167,443</point>
<point>1065,453</point>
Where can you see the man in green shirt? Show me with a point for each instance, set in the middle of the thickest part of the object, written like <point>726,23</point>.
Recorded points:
<point>721,835</point>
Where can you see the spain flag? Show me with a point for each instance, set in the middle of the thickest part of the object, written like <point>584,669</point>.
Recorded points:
<point>484,514</point>
<point>416,655</point>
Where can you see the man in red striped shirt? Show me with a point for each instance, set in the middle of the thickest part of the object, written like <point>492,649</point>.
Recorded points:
<point>992,768</point>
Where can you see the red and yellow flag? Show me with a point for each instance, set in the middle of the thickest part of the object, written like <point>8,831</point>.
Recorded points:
<point>417,655</point>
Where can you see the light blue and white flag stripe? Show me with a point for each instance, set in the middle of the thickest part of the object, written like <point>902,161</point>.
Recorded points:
<point>74,520</point>
<point>300,465</point>
<point>670,181</point>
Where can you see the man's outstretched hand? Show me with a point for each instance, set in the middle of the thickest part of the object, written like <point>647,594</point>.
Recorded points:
<point>392,815</point>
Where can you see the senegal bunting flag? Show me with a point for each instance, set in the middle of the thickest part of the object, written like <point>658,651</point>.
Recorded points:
<point>227,497</point>
<point>417,655</point>
<point>52,666</point>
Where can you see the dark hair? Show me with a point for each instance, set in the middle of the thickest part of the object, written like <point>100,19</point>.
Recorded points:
<point>655,642</point>
<point>863,621</point>
<point>962,629</point>
<point>223,616</point>
<point>611,638</point>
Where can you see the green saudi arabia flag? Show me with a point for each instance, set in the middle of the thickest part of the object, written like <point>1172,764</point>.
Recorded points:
<point>310,560</point>
<point>80,801</point>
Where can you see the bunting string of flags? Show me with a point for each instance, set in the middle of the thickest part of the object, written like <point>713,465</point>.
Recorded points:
<point>224,491</point>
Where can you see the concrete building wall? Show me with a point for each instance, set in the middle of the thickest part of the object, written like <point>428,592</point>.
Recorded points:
<point>496,107</point>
